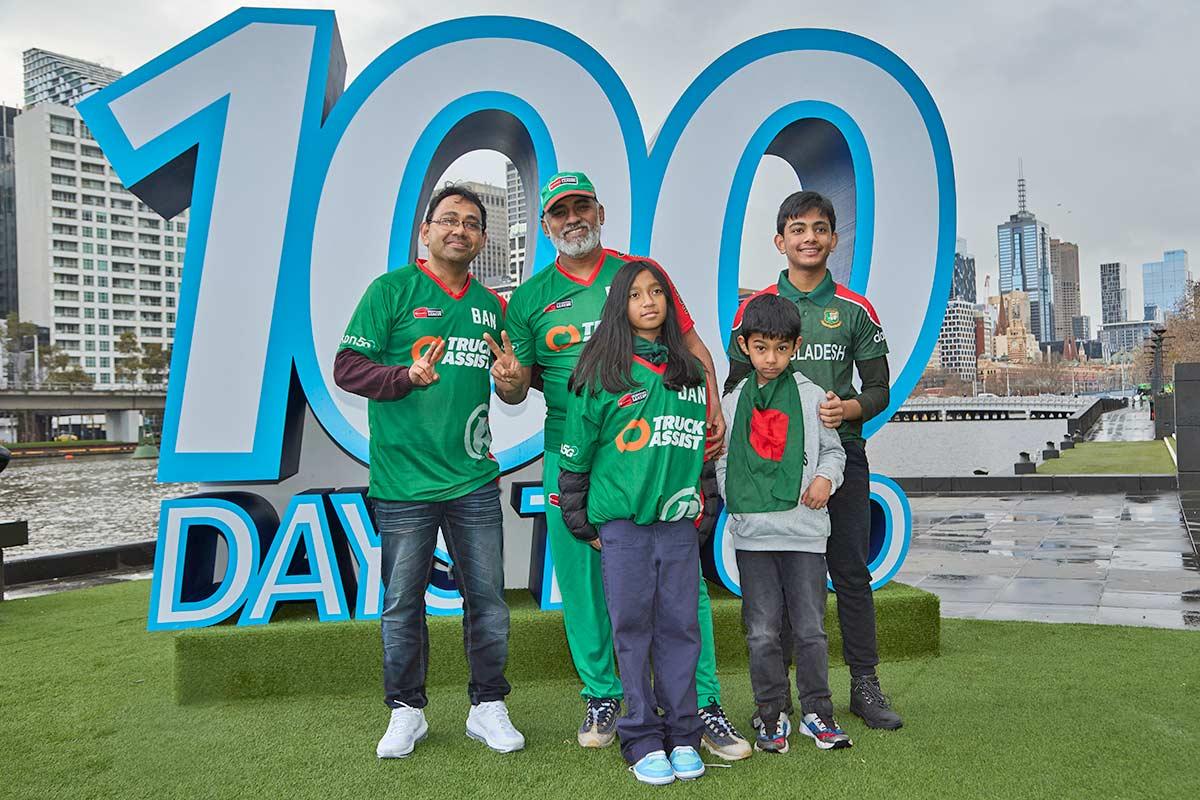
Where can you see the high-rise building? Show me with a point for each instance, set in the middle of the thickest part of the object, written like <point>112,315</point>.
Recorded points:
<point>55,78</point>
<point>1114,293</point>
<point>1064,268</point>
<point>1081,327</point>
<point>1024,250</point>
<point>962,285</point>
<point>956,342</point>
<point>1124,338</point>
<point>93,261</point>
<point>492,264</point>
<point>8,212</point>
<point>1164,283</point>
<point>518,219</point>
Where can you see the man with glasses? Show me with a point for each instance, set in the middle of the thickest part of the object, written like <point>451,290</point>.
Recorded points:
<point>415,349</point>
<point>551,315</point>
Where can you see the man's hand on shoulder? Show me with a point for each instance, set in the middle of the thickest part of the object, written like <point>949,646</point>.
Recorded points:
<point>832,410</point>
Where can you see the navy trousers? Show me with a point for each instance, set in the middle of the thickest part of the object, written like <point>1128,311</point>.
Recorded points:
<point>651,581</point>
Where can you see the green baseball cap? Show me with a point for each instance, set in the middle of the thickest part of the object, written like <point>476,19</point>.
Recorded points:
<point>565,184</point>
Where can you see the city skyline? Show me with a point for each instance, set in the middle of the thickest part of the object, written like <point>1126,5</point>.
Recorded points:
<point>1073,170</point>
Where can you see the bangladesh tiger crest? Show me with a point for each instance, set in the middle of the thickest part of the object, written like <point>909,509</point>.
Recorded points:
<point>831,318</point>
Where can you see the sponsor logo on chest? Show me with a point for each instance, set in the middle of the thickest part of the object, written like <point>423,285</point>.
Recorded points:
<point>668,430</point>
<point>461,351</point>
<point>560,337</point>
<point>632,398</point>
<point>558,305</point>
<point>427,312</point>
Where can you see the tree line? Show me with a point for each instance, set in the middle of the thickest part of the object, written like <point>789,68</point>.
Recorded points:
<point>133,364</point>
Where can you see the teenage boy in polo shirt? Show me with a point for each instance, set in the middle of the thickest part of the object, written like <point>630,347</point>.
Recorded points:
<point>550,317</point>
<point>415,349</point>
<point>840,331</point>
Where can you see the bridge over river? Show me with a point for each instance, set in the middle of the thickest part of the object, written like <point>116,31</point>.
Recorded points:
<point>33,409</point>
<point>945,409</point>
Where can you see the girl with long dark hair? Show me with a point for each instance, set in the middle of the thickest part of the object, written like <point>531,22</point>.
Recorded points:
<point>632,456</point>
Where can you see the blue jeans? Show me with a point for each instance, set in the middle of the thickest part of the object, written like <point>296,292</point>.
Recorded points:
<point>474,533</point>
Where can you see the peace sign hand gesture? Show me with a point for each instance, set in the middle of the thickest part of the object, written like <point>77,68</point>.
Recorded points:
<point>424,370</point>
<point>506,371</point>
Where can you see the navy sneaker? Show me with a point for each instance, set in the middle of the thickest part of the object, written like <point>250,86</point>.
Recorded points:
<point>719,737</point>
<point>599,727</point>
<point>824,731</point>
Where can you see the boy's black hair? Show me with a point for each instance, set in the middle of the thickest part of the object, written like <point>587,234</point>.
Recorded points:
<point>606,358</point>
<point>772,317</point>
<point>800,203</point>
<point>456,190</point>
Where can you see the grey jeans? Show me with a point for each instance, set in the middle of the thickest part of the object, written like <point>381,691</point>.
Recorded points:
<point>775,584</point>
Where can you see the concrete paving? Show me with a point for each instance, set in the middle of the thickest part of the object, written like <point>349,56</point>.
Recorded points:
<point>1107,559</point>
<point>1131,424</point>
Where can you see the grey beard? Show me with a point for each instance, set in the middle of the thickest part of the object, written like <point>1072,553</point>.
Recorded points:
<point>578,247</point>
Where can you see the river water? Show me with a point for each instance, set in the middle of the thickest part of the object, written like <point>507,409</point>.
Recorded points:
<point>85,502</point>
<point>914,449</point>
<point>93,501</point>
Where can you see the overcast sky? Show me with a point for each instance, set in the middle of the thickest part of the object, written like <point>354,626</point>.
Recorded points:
<point>1097,97</point>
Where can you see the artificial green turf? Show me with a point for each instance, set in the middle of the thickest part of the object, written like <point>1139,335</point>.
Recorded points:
<point>1111,458</point>
<point>1008,710</point>
<point>301,656</point>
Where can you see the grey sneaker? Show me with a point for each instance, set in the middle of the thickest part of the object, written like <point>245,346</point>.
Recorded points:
<point>599,727</point>
<point>719,737</point>
<point>868,701</point>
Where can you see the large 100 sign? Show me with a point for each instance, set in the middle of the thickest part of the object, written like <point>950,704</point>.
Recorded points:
<point>301,194</point>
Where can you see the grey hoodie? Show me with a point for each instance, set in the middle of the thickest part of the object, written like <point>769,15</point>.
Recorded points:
<point>802,528</point>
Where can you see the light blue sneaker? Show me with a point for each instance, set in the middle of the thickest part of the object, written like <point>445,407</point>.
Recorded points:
<point>655,769</point>
<point>686,763</point>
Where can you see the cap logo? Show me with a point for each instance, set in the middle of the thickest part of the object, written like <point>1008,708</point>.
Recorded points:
<point>562,180</point>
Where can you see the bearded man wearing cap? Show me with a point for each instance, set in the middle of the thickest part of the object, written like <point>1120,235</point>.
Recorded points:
<point>549,318</point>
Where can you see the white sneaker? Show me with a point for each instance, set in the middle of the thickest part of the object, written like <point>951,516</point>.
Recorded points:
<point>406,727</point>
<point>489,723</point>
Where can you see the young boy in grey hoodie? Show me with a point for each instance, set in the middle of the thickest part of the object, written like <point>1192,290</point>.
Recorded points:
<point>779,469</point>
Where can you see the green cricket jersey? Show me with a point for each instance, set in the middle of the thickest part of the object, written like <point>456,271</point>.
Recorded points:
<point>644,448</point>
<point>433,444</point>
<point>550,317</point>
<point>838,327</point>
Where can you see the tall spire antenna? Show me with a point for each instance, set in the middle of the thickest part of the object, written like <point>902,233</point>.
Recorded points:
<point>1021,186</point>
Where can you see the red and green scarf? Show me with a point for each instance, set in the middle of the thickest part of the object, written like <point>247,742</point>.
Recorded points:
<point>766,447</point>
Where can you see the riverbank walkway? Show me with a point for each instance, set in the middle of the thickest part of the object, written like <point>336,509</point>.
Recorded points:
<point>1123,425</point>
<point>1108,559</point>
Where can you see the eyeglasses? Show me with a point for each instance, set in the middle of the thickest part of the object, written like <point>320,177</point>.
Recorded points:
<point>450,223</point>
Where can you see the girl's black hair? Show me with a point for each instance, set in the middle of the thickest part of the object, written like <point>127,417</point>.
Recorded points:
<point>607,356</point>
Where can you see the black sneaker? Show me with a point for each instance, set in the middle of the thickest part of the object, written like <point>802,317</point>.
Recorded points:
<point>868,701</point>
<point>599,727</point>
<point>719,737</point>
